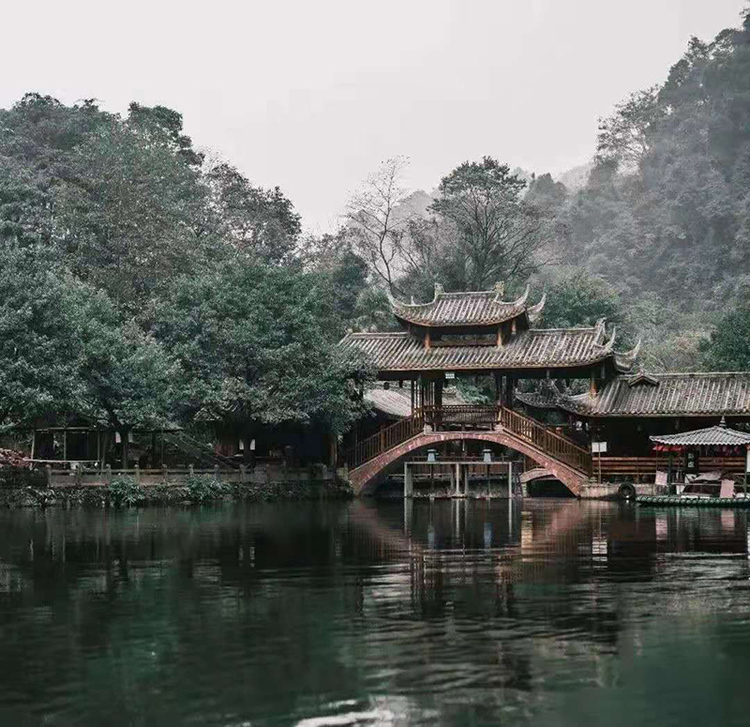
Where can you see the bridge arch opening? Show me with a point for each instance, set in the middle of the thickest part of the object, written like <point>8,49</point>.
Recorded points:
<point>367,477</point>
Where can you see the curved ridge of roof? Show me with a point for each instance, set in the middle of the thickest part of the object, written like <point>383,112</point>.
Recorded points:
<point>534,312</point>
<point>483,307</point>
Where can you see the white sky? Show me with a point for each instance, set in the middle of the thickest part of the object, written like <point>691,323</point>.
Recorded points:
<point>312,94</point>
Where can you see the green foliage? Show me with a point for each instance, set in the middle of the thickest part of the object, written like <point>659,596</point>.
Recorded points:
<point>22,477</point>
<point>257,345</point>
<point>202,488</point>
<point>124,492</point>
<point>665,211</point>
<point>37,372</point>
<point>728,348</point>
<point>578,298</point>
<point>256,221</point>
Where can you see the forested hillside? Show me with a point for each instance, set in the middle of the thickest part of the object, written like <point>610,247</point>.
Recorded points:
<point>656,231</point>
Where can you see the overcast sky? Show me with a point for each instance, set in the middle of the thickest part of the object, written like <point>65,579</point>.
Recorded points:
<point>312,94</point>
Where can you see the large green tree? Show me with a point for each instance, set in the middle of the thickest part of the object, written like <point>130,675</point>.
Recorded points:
<point>257,346</point>
<point>37,372</point>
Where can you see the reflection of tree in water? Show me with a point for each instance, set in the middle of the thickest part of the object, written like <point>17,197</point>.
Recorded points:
<point>242,612</point>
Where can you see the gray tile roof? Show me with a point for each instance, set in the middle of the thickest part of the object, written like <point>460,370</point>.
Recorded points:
<point>460,309</point>
<point>719,436</point>
<point>663,395</point>
<point>534,348</point>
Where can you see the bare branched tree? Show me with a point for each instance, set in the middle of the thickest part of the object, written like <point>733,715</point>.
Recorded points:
<point>376,223</point>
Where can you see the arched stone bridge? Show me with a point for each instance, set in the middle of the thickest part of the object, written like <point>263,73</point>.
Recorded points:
<point>367,476</point>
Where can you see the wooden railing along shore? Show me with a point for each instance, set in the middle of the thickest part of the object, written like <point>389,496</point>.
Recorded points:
<point>66,477</point>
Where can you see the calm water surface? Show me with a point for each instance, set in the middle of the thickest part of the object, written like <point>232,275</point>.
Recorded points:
<point>465,613</point>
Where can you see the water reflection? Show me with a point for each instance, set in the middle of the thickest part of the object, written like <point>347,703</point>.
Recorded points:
<point>456,612</point>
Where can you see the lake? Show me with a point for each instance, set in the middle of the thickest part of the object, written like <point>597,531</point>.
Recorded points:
<point>550,612</point>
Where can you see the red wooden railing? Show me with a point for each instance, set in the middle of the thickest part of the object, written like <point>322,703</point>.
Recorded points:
<point>471,416</point>
<point>461,415</point>
<point>551,443</point>
<point>385,439</point>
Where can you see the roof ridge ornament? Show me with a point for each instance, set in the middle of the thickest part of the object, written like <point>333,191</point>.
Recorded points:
<point>600,327</point>
<point>534,312</point>
<point>522,300</point>
<point>609,346</point>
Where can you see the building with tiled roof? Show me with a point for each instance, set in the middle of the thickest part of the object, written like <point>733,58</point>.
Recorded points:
<point>712,394</point>
<point>479,332</point>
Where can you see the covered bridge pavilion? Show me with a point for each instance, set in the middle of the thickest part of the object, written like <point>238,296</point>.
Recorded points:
<point>477,334</point>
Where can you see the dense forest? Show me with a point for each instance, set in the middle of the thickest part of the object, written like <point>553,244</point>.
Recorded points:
<point>143,282</point>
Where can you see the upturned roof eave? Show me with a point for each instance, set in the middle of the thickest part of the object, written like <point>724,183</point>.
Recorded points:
<point>519,366</point>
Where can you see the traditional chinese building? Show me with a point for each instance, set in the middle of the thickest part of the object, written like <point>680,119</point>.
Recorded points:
<point>480,334</point>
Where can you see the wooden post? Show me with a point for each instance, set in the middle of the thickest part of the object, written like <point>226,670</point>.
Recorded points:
<point>509,390</point>
<point>510,480</point>
<point>427,341</point>
<point>500,336</point>
<point>165,474</point>
<point>191,470</point>
<point>216,471</point>
<point>243,474</point>
<point>669,473</point>
<point>33,444</point>
<point>108,475</point>
<point>65,443</point>
<point>48,469</point>
<point>137,474</point>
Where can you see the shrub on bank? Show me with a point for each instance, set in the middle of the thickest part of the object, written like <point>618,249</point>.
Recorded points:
<point>124,492</point>
<point>202,488</point>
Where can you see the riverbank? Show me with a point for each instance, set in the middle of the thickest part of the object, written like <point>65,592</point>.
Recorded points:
<point>200,491</point>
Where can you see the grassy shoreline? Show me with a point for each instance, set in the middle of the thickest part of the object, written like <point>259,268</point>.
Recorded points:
<point>201,491</point>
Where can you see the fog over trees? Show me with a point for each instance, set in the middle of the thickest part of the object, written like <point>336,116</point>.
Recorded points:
<point>141,282</point>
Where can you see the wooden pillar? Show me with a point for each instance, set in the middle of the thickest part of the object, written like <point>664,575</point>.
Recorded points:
<point>427,341</point>
<point>500,336</point>
<point>65,443</point>
<point>33,444</point>
<point>412,396</point>
<point>509,390</point>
